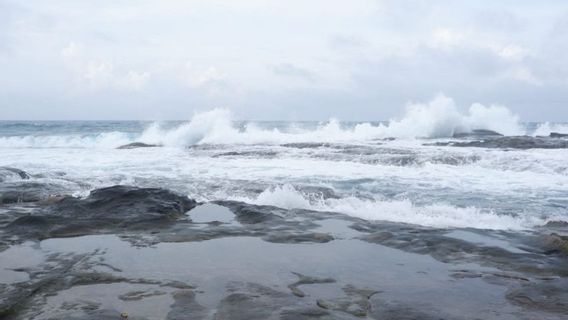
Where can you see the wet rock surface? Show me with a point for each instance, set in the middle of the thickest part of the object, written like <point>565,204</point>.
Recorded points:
<point>105,210</point>
<point>508,142</point>
<point>155,254</point>
<point>477,133</point>
<point>136,145</point>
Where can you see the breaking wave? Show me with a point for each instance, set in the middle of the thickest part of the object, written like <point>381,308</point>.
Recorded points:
<point>438,215</point>
<point>437,119</point>
<point>102,140</point>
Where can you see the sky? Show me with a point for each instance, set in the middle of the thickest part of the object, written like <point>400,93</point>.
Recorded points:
<point>279,60</point>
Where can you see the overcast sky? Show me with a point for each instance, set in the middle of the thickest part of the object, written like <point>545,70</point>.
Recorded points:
<point>289,59</point>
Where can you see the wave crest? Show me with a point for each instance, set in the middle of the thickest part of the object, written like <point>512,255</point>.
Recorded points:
<point>437,119</point>
<point>438,215</point>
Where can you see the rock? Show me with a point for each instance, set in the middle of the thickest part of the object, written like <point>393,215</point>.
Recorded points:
<point>29,191</point>
<point>305,280</point>
<point>519,142</point>
<point>316,237</point>
<point>12,173</point>
<point>556,224</point>
<point>355,302</point>
<point>184,305</point>
<point>103,211</point>
<point>551,296</point>
<point>558,135</point>
<point>136,145</point>
<point>555,243</point>
<point>477,133</point>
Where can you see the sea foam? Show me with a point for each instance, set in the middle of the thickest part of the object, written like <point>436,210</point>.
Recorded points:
<point>439,118</point>
<point>439,215</point>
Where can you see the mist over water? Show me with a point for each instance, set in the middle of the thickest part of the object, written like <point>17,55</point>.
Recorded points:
<point>391,170</point>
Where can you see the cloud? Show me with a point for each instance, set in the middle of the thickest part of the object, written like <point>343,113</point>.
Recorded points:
<point>363,59</point>
<point>100,74</point>
<point>290,70</point>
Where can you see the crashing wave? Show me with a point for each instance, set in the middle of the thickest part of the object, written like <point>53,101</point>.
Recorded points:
<point>439,215</point>
<point>440,118</point>
<point>437,119</point>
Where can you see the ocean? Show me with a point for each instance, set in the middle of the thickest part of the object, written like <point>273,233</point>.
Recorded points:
<point>430,171</point>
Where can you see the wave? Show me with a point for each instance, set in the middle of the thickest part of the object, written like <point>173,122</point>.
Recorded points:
<point>103,140</point>
<point>545,129</point>
<point>439,215</point>
<point>439,118</point>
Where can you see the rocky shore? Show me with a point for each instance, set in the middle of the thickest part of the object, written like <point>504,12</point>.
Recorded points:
<point>149,253</point>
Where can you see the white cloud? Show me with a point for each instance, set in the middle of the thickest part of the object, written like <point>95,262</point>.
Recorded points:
<point>360,59</point>
<point>99,74</point>
<point>445,37</point>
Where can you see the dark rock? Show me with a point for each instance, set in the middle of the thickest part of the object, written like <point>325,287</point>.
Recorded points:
<point>136,145</point>
<point>520,142</point>
<point>29,191</point>
<point>104,210</point>
<point>555,243</point>
<point>556,224</point>
<point>305,145</point>
<point>558,135</point>
<point>477,133</point>
<point>255,154</point>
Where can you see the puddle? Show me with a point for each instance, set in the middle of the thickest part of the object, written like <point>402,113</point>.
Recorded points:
<point>208,213</point>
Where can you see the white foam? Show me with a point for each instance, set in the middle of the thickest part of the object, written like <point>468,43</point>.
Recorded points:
<point>438,118</point>
<point>545,129</point>
<point>434,215</point>
<point>102,140</point>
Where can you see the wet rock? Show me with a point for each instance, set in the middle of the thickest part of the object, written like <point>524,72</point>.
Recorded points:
<point>186,307</point>
<point>356,301</point>
<point>477,133</point>
<point>305,145</point>
<point>139,295</point>
<point>12,173</point>
<point>556,224</point>
<point>136,145</point>
<point>305,280</point>
<point>555,244</point>
<point>389,310</point>
<point>551,296</point>
<point>558,135</point>
<point>519,142</point>
<point>316,237</point>
<point>29,191</point>
<point>435,243</point>
<point>252,153</point>
<point>251,214</point>
<point>250,302</point>
<point>104,211</point>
